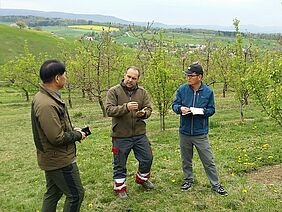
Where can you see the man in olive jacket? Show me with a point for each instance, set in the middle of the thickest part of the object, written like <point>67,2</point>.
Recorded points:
<point>128,105</point>
<point>55,138</point>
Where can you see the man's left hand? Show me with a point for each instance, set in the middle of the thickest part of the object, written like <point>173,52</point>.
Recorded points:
<point>141,113</point>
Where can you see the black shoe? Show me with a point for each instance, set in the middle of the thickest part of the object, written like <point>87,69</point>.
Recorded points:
<point>148,185</point>
<point>220,190</point>
<point>186,186</point>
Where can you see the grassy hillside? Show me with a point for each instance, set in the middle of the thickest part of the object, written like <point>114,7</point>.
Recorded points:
<point>13,39</point>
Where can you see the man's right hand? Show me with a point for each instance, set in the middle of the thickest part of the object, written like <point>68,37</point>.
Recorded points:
<point>83,136</point>
<point>185,110</point>
<point>132,106</point>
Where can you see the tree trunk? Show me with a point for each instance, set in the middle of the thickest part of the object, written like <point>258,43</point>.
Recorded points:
<point>69,98</point>
<point>162,122</point>
<point>83,93</point>
<point>224,89</point>
<point>246,95</point>
<point>102,106</point>
<point>26,94</point>
<point>241,110</point>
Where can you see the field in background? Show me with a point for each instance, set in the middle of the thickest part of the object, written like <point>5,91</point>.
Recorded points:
<point>94,27</point>
<point>239,147</point>
<point>64,31</point>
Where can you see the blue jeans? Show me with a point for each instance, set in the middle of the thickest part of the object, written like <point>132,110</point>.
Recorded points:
<point>142,152</point>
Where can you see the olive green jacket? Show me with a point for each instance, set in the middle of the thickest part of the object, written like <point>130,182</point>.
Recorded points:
<point>124,122</point>
<point>53,134</point>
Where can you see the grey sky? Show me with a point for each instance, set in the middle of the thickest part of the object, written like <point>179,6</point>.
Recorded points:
<point>181,12</point>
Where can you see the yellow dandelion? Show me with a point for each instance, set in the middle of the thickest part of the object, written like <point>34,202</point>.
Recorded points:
<point>244,190</point>
<point>173,180</point>
<point>232,174</point>
<point>265,145</point>
<point>90,205</point>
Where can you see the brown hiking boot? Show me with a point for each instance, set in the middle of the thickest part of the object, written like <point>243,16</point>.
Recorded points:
<point>148,185</point>
<point>122,195</point>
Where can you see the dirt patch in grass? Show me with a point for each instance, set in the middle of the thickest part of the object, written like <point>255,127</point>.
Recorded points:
<point>267,175</point>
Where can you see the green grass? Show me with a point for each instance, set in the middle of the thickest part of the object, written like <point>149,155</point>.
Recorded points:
<point>13,40</point>
<point>238,147</point>
<point>64,31</point>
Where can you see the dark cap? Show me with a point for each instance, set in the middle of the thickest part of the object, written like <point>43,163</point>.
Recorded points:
<point>194,68</point>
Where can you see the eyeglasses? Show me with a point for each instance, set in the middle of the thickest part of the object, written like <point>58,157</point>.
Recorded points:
<point>192,75</point>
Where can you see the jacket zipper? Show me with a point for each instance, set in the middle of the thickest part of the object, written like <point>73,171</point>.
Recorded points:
<point>132,123</point>
<point>192,119</point>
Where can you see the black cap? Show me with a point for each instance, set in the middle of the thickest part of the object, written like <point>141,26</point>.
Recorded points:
<point>194,68</point>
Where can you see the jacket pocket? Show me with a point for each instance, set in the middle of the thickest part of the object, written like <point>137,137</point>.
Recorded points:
<point>140,126</point>
<point>114,127</point>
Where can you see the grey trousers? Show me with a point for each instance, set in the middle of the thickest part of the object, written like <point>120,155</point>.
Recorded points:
<point>142,152</point>
<point>203,147</point>
<point>63,181</point>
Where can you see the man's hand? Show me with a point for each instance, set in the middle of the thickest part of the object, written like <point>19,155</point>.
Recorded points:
<point>141,113</point>
<point>132,106</point>
<point>83,136</point>
<point>185,110</point>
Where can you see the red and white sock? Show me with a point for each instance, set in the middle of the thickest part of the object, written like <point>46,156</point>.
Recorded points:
<point>119,185</point>
<point>141,178</point>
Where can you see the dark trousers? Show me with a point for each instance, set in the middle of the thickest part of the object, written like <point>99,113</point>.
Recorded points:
<point>203,147</point>
<point>63,181</point>
<point>142,152</point>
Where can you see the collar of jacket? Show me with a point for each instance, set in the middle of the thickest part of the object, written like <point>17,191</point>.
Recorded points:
<point>200,88</point>
<point>53,94</point>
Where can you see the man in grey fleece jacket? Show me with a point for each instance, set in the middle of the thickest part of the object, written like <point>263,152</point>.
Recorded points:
<point>129,105</point>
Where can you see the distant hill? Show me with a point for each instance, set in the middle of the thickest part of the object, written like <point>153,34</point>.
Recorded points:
<point>112,19</point>
<point>13,39</point>
<point>95,18</point>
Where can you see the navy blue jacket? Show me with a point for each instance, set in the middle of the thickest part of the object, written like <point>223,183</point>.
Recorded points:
<point>187,97</point>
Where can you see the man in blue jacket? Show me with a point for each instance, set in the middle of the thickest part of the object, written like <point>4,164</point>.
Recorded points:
<point>194,102</point>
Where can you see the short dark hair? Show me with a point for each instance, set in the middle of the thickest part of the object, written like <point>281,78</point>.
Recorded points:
<point>134,68</point>
<point>51,68</point>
